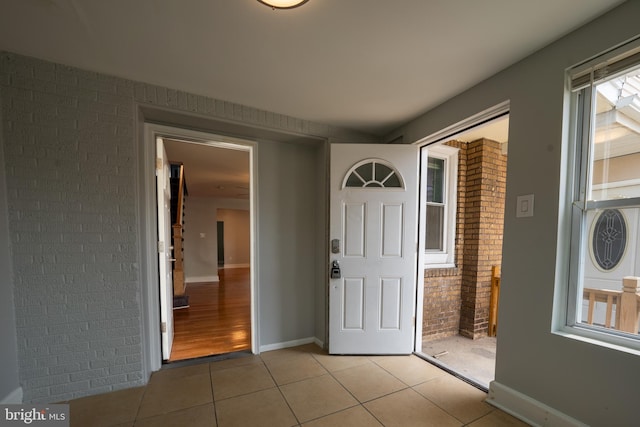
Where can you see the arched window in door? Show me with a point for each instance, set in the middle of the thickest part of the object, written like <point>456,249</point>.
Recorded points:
<point>373,173</point>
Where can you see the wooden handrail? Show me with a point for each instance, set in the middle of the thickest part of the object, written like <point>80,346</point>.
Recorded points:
<point>178,266</point>
<point>180,208</point>
<point>493,304</point>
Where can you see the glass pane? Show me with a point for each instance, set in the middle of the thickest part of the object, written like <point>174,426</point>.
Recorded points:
<point>610,254</point>
<point>354,181</point>
<point>435,180</point>
<point>365,171</point>
<point>615,162</point>
<point>608,239</point>
<point>435,228</point>
<point>393,181</point>
<point>382,171</point>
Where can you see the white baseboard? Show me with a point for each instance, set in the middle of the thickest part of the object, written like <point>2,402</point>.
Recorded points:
<point>318,343</point>
<point>199,279</point>
<point>527,409</point>
<point>236,266</point>
<point>15,397</point>
<point>287,344</point>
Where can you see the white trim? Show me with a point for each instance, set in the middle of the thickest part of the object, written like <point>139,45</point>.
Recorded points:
<point>199,279</point>
<point>13,398</point>
<point>616,184</point>
<point>528,409</point>
<point>433,266</point>
<point>600,337</point>
<point>435,259</point>
<point>245,265</point>
<point>288,344</point>
<point>450,132</point>
<point>319,343</point>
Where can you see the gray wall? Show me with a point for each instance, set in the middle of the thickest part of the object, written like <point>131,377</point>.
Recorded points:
<point>287,240</point>
<point>8,350</point>
<point>237,236</point>
<point>594,384</point>
<point>201,254</point>
<point>71,146</point>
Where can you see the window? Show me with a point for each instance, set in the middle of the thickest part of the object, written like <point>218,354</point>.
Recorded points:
<point>604,184</point>
<point>439,191</point>
<point>373,173</point>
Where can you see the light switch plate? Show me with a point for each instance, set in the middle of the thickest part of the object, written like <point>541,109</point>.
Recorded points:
<point>524,206</point>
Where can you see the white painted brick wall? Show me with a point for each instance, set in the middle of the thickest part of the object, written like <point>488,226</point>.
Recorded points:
<point>70,175</point>
<point>70,160</point>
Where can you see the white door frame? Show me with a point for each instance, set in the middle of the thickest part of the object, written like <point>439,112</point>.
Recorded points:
<point>151,343</point>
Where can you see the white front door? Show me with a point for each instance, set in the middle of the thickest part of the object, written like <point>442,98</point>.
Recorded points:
<point>373,232</point>
<point>163,186</point>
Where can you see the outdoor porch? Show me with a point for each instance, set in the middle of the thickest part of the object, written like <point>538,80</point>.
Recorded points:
<point>473,360</point>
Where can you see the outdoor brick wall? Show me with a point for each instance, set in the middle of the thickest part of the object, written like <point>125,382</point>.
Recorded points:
<point>484,220</point>
<point>442,291</point>
<point>456,300</point>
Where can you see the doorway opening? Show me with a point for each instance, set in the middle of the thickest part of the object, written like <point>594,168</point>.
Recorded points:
<point>462,216</point>
<point>211,313</point>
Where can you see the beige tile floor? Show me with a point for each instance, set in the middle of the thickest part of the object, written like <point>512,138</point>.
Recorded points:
<point>300,386</point>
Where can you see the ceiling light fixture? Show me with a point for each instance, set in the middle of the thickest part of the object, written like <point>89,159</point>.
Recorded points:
<point>283,4</point>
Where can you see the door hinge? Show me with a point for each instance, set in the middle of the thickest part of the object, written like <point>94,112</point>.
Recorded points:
<point>163,327</point>
<point>160,247</point>
<point>158,163</point>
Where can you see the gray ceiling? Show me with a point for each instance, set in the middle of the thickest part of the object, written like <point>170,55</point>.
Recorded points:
<point>361,64</point>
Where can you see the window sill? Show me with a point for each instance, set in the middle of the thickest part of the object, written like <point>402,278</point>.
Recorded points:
<point>600,339</point>
<point>432,266</point>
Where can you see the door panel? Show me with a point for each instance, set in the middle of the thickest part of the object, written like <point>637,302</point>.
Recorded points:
<point>163,184</point>
<point>372,304</point>
<point>354,303</point>
<point>390,311</point>
<point>354,227</point>
<point>392,218</point>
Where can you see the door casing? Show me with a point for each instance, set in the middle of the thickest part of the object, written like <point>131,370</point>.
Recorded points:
<point>152,343</point>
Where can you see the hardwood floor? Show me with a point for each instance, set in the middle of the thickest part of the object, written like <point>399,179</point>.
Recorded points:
<point>218,319</point>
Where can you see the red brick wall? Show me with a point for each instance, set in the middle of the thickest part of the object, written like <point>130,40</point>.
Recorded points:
<point>442,292</point>
<point>456,300</point>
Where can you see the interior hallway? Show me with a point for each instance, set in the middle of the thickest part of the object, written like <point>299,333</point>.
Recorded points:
<point>301,386</point>
<point>218,319</point>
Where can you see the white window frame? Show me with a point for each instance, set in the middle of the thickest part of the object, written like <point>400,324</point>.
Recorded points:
<point>444,258</point>
<point>573,227</point>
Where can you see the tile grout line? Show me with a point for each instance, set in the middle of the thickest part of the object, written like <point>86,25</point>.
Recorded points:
<point>412,387</point>
<point>213,397</point>
<point>361,404</point>
<point>280,391</point>
<point>146,387</point>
